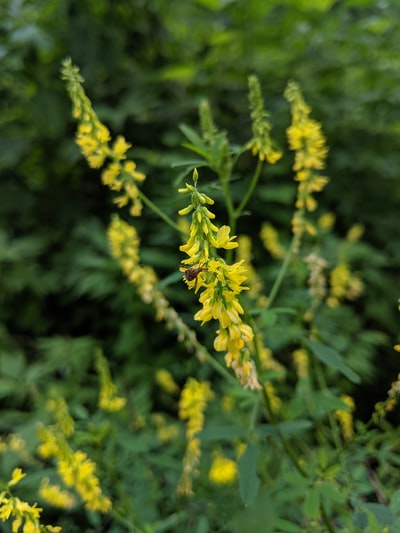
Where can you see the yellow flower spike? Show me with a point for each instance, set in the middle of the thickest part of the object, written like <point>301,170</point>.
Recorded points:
<point>193,401</point>
<point>221,284</point>
<point>93,139</point>
<point>306,139</point>
<point>261,144</point>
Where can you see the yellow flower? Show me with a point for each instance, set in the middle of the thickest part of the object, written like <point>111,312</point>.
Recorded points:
<point>355,233</point>
<point>326,221</point>
<point>120,147</point>
<point>74,467</point>
<point>55,495</point>
<point>345,417</point>
<point>108,390</point>
<point>165,380</point>
<point>223,471</point>
<point>344,284</point>
<point>17,475</point>
<point>301,362</point>
<point>270,239</point>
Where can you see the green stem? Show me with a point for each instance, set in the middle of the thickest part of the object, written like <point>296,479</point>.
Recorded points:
<point>326,519</point>
<point>219,368</point>
<point>146,200</point>
<point>278,281</point>
<point>228,200</point>
<point>254,180</point>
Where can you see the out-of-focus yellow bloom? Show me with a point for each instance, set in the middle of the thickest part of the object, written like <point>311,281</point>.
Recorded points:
<point>270,239</point>
<point>316,280</point>
<point>301,362</point>
<point>192,404</point>
<point>55,495</point>
<point>16,476</point>
<point>165,432</point>
<point>326,221</point>
<point>345,417</point>
<point>165,380</point>
<point>274,400</point>
<point>308,142</point>
<point>355,233</point>
<point>74,467</point>
<point>108,399</point>
<point>344,284</point>
<point>223,471</point>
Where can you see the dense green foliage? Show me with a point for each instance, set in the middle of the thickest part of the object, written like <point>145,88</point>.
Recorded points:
<point>147,65</point>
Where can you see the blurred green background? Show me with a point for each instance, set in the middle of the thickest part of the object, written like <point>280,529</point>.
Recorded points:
<point>147,65</point>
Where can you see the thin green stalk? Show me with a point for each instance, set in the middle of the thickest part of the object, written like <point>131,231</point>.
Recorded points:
<point>254,180</point>
<point>219,368</point>
<point>278,281</point>
<point>146,200</point>
<point>228,200</point>
<point>326,519</point>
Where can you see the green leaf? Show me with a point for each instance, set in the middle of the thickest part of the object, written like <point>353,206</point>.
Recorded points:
<point>331,358</point>
<point>197,143</point>
<point>222,432</point>
<point>382,513</point>
<point>312,502</point>
<point>284,526</point>
<point>395,502</point>
<point>248,479</point>
<point>287,428</point>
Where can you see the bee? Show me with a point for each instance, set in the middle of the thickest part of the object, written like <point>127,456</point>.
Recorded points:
<point>191,272</point>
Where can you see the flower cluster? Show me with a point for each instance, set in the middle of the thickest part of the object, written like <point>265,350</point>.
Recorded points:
<point>222,283</point>
<point>316,280</point>
<point>192,404</point>
<point>22,513</point>
<point>307,140</point>
<point>261,143</point>
<point>343,284</point>
<point>108,400</point>
<point>301,363</point>
<point>345,417</point>
<point>165,380</point>
<point>74,467</point>
<point>270,239</point>
<point>223,471</point>
<point>94,141</point>
<point>55,495</point>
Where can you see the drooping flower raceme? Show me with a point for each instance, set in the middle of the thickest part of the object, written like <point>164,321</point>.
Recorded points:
<point>94,141</point>
<point>221,284</point>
